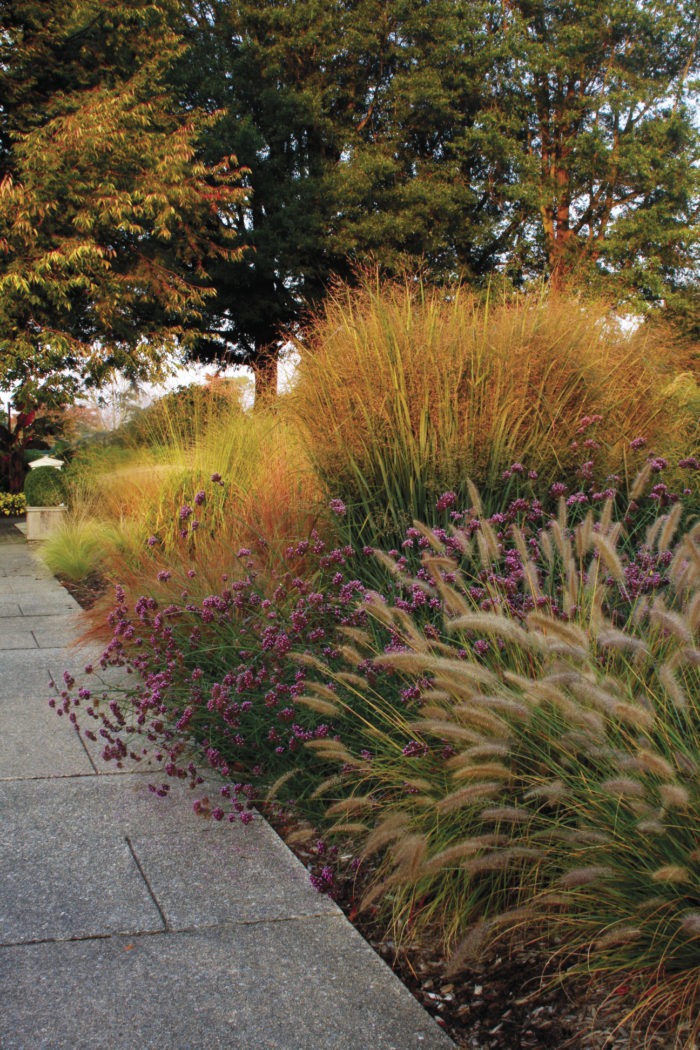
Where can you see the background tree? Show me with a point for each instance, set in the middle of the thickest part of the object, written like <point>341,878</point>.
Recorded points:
<point>349,117</point>
<point>588,124</point>
<point>533,138</point>
<point>106,216</point>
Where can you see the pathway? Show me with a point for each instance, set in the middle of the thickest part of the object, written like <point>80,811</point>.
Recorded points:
<point>127,922</point>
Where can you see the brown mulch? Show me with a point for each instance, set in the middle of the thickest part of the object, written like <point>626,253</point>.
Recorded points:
<point>86,591</point>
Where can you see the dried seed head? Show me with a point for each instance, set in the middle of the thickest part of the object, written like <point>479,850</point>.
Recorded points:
<point>484,770</point>
<point>634,715</point>
<point>621,935</point>
<point>670,526</point>
<point>466,796</point>
<point>691,655</point>
<point>584,876</point>
<point>357,635</point>
<point>331,749</point>
<point>673,796</point>
<point>348,678</point>
<point>436,695</point>
<point>493,624</point>
<point>322,707</point>
<point>351,655</point>
<point>487,749</point>
<point>668,679</point>
<point>552,791</point>
<point>568,632</point>
<point>623,787</point>
<point>670,621</point>
<point>430,536</point>
<point>303,833</point>
<point>654,763</point>
<point>563,544</point>
<point>546,547</point>
<point>274,788</point>
<point>504,704</point>
<point>692,612</point>
<point>640,482</point>
<point>651,826</point>
<point>500,860</point>
<point>470,946</point>
<point>308,660</point>
<point>350,805</point>
<point>326,785</point>
<point>691,924</point>
<point>475,497</point>
<point>610,638</point>
<point>408,854</point>
<point>447,857</point>
<point>508,814</point>
<point>482,720</point>
<point>671,873</point>
<point>441,728</point>
<point>609,556</point>
<point>390,828</point>
<point>348,827</point>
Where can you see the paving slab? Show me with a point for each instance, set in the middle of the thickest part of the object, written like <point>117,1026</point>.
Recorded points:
<point>9,607</point>
<point>15,662</point>
<point>213,989</point>
<point>200,873</point>
<point>14,635</point>
<point>66,870</point>
<point>33,745</point>
<point>52,630</point>
<point>40,604</point>
<point>18,676</point>
<point>29,585</point>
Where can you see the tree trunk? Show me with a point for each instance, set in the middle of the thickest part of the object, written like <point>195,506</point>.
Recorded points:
<point>264,366</point>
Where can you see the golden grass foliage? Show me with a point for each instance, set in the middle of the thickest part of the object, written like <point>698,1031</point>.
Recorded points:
<point>406,391</point>
<point>122,495</point>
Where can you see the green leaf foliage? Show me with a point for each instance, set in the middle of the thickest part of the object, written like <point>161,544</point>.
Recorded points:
<point>106,216</point>
<point>531,139</point>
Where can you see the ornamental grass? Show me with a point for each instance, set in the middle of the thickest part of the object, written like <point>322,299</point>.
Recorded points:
<point>545,779</point>
<point>405,391</point>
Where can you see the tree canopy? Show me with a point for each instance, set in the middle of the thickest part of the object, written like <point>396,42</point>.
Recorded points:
<point>537,138</point>
<point>531,139</point>
<point>106,214</point>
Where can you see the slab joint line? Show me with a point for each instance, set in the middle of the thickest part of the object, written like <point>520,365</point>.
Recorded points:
<point>142,873</point>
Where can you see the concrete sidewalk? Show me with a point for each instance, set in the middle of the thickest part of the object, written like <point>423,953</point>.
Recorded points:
<point>126,922</point>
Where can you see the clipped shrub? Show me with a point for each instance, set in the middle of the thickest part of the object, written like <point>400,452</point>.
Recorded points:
<point>404,392</point>
<point>12,503</point>
<point>44,487</point>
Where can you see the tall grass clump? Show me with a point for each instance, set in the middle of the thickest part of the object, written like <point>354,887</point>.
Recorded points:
<point>535,767</point>
<point>135,487</point>
<point>79,547</point>
<point>406,391</point>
